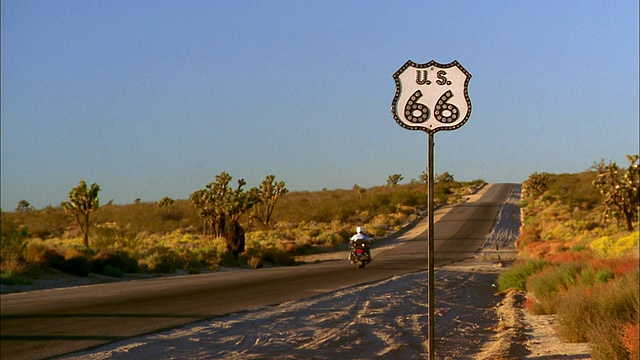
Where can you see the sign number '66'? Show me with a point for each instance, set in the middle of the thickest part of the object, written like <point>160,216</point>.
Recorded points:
<point>431,96</point>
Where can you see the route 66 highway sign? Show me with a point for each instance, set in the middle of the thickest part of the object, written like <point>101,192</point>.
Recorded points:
<point>431,96</point>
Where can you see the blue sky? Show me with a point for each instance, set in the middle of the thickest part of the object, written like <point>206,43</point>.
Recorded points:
<point>154,98</point>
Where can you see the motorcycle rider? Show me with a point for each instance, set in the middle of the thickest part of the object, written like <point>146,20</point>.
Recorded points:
<point>360,235</point>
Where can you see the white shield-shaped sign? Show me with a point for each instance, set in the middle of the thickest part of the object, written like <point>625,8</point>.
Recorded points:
<point>431,96</point>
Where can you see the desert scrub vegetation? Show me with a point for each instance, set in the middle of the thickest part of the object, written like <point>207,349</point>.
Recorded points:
<point>579,258</point>
<point>170,235</point>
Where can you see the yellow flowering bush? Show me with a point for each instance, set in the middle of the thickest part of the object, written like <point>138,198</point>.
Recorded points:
<point>608,246</point>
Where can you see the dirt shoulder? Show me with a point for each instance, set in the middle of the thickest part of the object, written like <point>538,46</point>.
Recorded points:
<point>522,335</point>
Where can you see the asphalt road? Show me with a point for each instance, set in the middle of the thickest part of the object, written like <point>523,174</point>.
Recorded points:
<point>42,324</point>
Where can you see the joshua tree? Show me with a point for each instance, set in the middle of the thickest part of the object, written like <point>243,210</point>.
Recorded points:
<point>82,202</point>
<point>24,206</point>
<point>268,193</point>
<point>394,179</point>
<point>620,189</point>
<point>443,178</point>
<point>221,206</point>
<point>536,183</point>
<point>359,191</point>
<point>165,203</point>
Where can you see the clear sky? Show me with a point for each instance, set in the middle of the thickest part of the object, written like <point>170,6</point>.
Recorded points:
<point>154,98</point>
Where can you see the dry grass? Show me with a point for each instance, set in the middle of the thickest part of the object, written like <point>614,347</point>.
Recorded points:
<point>158,239</point>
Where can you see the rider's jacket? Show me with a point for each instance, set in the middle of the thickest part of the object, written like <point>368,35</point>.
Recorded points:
<point>360,236</point>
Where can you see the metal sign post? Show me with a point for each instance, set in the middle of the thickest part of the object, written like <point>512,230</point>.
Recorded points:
<point>431,97</point>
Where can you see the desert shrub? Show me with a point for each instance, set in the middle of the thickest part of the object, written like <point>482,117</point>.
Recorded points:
<point>329,239</point>
<point>572,325</point>
<point>227,259</point>
<point>603,275</point>
<point>578,257</point>
<point>605,342</point>
<point>277,257</point>
<point>408,198</point>
<point>617,303</point>
<point>74,250</point>
<point>535,307</point>
<point>554,279</point>
<point>12,277</point>
<point>44,224</point>
<point>115,259</point>
<point>105,236</point>
<point>161,259</point>
<point>38,254</point>
<point>629,338</point>
<point>13,239</point>
<point>112,271</point>
<point>255,262</point>
<point>13,244</point>
<point>596,314</point>
<point>206,256</point>
<point>577,248</point>
<point>618,266</point>
<point>550,284</point>
<point>516,278</point>
<point>590,276</point>
<point>77,265</point>
<point>343,233</point>
<point>608,246</point>
<point>527,237</point>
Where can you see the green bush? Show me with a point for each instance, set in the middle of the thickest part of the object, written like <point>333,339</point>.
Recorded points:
<point>12,278</point>
<point>516,278</point>
<point>604,275</point>
<point>112,271</point>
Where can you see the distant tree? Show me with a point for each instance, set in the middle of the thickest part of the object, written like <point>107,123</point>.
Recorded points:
<point>166,212</point>
<point>82,202</point>
<point>24,206</point>
<point>394,179</point>
<point>620,189</point>
<point>437,179</point>
<point>424,177</point>
<point>443,178</point>
<point>359,191</point>
<point>536,183</point>
<point>165,203</point>
<point>268,194</point>
<point>137,201</point>
<point>221,206</point>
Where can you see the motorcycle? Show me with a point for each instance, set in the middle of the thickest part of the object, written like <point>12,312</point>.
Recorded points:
<point>360,253</point>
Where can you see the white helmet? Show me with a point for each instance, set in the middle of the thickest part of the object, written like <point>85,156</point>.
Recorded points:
<point>358,229</point>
